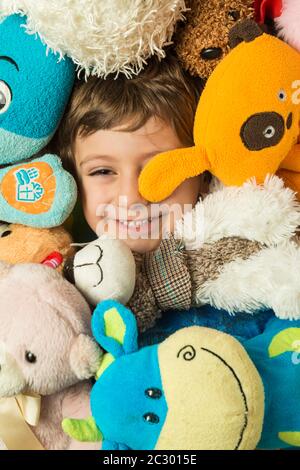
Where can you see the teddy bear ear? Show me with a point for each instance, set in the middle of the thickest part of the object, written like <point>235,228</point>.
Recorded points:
<point>85,357</point>
<point>244,31</point>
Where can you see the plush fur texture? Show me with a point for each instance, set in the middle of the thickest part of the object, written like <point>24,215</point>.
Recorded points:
<point>271,217</point>
<point>207,27</point>
<point>102,37</point>
<point>21,244</point>
<point>50,319</point>
<point>288,22</point>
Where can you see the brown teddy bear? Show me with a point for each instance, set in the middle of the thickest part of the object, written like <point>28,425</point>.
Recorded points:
<point>202,41</point>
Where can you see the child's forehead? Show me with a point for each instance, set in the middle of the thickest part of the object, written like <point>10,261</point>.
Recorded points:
<point>154,137</point>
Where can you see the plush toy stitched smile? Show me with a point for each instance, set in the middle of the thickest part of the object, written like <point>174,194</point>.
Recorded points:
<point>247,121</point>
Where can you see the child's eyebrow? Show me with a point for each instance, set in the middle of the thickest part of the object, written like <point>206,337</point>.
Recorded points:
<point>96,157</point>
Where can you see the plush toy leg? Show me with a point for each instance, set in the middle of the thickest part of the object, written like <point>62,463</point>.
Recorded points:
<point>268,279</point>
<point>164,173</point>
<point>39,193</point>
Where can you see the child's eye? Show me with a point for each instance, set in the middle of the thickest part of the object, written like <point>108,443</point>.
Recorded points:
<point>102,172</point>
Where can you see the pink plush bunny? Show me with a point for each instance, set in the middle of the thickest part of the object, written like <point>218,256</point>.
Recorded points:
<point>46,356</point>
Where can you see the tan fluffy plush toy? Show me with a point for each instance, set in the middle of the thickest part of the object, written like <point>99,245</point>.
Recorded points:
<point>20,244</point>
<point>202,41</point>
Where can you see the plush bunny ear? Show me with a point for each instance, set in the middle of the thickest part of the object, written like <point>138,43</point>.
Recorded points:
<point>85,357</point>
<point>115,328</point>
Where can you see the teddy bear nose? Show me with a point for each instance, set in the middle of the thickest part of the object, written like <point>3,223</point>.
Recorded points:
<point>211,53</point>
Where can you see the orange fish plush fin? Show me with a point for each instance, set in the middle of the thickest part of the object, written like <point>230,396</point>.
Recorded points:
<point>165,172</point>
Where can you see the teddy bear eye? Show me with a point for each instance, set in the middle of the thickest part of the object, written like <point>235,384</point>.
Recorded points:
<point>30,357</point>
<point>234,15</point>
<point>151,418</point>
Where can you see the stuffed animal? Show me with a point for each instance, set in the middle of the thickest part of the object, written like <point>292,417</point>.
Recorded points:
<point>103,37</point>
<point>203,390</point>
<point>46,355</point>
<point>36,79</point>
<point>247,122</point>
<point>286,17</point>
<point>21,244</point>
<point>202,41</point>
<point>237,250</point>
<point>34,90</point>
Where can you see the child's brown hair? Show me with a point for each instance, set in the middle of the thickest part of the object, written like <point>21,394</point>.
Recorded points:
<point>162,90</point>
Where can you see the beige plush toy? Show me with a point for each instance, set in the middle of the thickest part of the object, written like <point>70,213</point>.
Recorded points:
<point>236,251</point>
<point>46,356</point>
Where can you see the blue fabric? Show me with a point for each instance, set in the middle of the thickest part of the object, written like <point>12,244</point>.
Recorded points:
<point>65,197</point>
<point>119,402</point>
<point>241,325</point>
<point>110,345</point>
<point>281,379</point>
<point>39,84</point>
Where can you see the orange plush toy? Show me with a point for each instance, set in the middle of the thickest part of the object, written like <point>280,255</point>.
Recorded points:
<point>247,121</point>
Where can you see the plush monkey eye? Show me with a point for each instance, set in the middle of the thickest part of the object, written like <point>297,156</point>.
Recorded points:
<point>282,95</point>
<point>151,418</point>
<point>269,132</point>
<point>234,15</point>
<point>5,97</point>
<point>30,357</point>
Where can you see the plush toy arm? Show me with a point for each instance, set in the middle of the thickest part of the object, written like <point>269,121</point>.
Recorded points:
<point>82,430</point>
<point>268,279</point>
<point>164,173</point>
<point>38,194</point>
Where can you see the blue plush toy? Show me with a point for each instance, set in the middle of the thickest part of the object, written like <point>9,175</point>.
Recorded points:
<point>34,89</point>
<point>199,389</point>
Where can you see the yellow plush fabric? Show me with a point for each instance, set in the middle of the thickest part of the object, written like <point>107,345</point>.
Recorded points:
<point>217,379</point>
<point>247,99</point>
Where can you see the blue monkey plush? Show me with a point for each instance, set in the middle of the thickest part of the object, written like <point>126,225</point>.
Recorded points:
<point>199,389</point>
<point>34,89</point>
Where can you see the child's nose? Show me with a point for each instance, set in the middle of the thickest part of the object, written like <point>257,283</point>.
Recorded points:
<point>129,188</point>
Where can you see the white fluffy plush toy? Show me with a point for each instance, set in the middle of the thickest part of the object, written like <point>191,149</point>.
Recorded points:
<point>102,36</point>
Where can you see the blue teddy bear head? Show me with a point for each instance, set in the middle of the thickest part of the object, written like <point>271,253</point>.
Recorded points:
<point>34,89</point>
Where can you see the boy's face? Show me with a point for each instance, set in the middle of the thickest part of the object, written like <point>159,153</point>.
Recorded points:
<point>108,165</point>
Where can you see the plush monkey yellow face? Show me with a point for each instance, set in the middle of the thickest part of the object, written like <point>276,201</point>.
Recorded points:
<point>247,120</point>
<point>213,388</point>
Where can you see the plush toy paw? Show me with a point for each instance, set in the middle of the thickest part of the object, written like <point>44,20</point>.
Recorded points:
<point>82,430</point>
<point>38,193</point>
